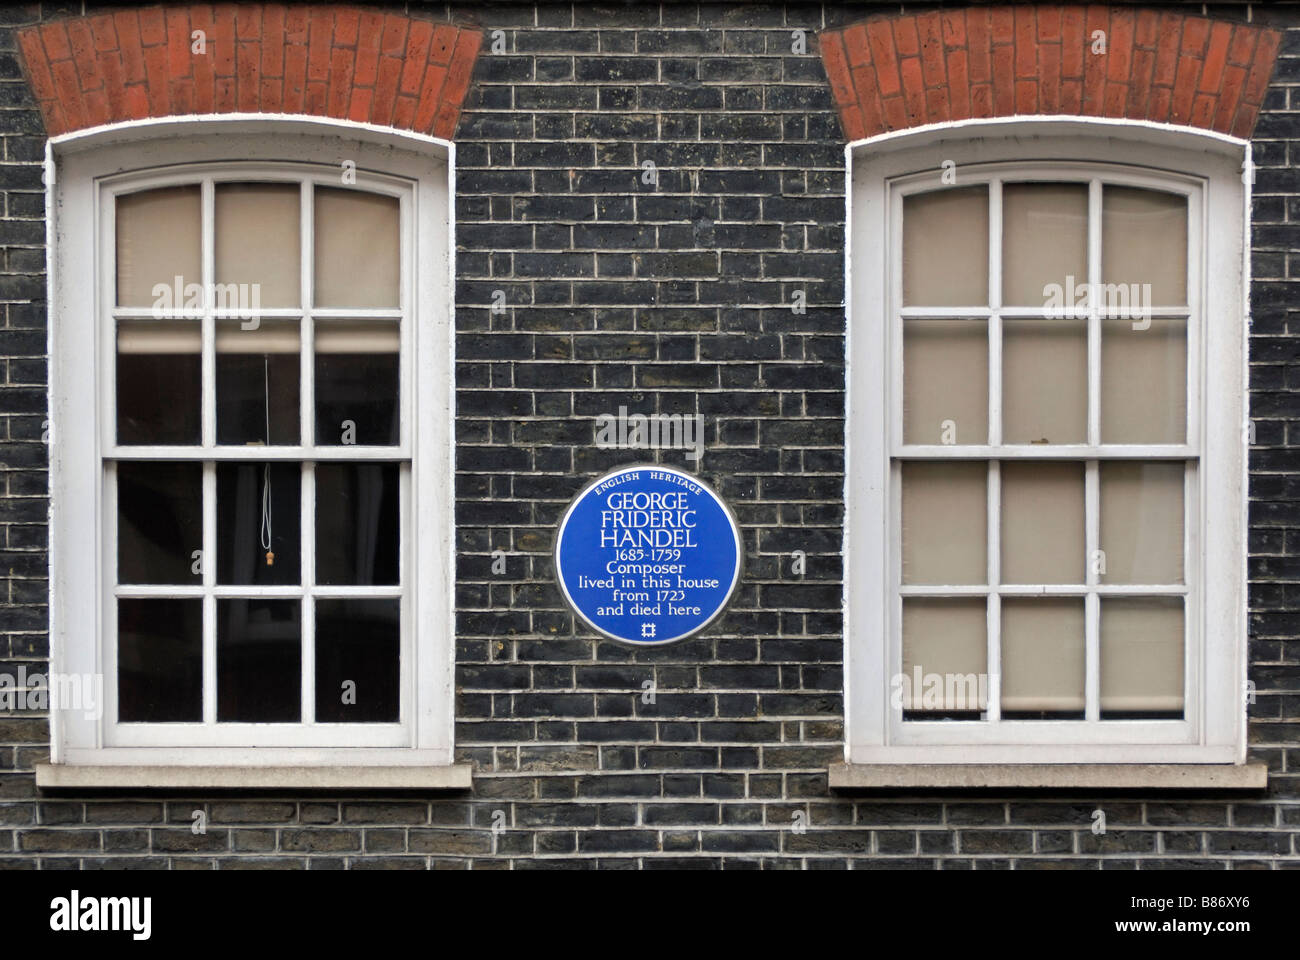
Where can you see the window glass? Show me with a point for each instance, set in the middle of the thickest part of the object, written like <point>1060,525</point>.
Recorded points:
<point>287,563</point>
<point>946,248</point>
<point>1088,374</point>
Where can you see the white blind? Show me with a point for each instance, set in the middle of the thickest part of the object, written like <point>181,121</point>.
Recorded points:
<point>157,241</point>
<point>175,337</point>
<point>257,239</point>
<point>946,247</point>
<point>357,249</point>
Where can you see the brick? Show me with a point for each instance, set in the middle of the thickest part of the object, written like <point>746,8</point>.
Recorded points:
<point>369,38</point>
<point>884,58</point>
<point>295,78</point>
<point>1139,90</point>
<point>929,29</point>
<point>346,24</point>
<point>435,78</point>
<point>38,69</point>
<point>871,115</point>
<point>1049,78</point>
<point>394,40</point>
<point>57,45</point>
<point>837,68</point>
<point>1216,58</point>
<point>417,55</point>
<point>390,70</point>
<point>320,37</point>
<point>913,89</point>
<point>1170,35</point>
<point>179,58</point>
<point>221,44</point>
<point>248,76</point>
<point>1234,81</point>
<point>1262,66</point>
<point>340,82</point>
<point>273,29</point>
<point>83,54</point>
<point>1004,91</point>
<point>1026,41</point>
<point>959,84</point>
<point>979,32</point>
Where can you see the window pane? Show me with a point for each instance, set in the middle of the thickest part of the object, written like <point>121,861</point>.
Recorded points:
<point>946,248</point>
<point>356,382</point>
<point>159,661</point>
<point>945,645</point>
<point>1042,656</point>
<point>1144,381</point>
<point>1042,522</point>
<point>1142,655</point>
<point>158,382</point>
<point>1142,521</point>
<point>259,661</point>
<point>357,660</point>
<point>257,243</point>
<point>945,523</point>
<point>257,382</point>
<point>1044,240</point>
<point>358,255</point>
<point>245,514</point>
<point>1144,240</point>
<point>158,241</point>
<point>357,537</point>
<point>1044,381</point>
<point>945,381</point>
<point>159,522</point>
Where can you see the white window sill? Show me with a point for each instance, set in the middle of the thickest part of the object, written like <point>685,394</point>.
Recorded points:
<point>456,776</point>
<point>1064,776</point>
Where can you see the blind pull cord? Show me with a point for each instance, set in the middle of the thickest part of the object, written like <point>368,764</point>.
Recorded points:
<point>266,469</point>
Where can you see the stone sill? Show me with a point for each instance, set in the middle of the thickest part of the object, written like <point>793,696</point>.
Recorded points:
<point>1059,776</point>
<point>63,776</point>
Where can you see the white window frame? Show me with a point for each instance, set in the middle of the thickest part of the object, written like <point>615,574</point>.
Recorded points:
<point>82,170</point>
<point>1209,167</point>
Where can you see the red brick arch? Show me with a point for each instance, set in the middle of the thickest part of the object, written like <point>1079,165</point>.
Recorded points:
<point>333,61</point>
<point>896,72</point>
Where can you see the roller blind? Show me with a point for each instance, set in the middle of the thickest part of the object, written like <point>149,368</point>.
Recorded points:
<point>945,381</point>
<point>1144,240</point>
<point>358,257</point>
<point>945,510</point>
<point>172,337</point>
<point>1142,654</point>
<point>1043,655</point>
<point>1044,239</point>
<point>946,640</point>
<point>257,239</point>
<point>946,247</point>
<point>157,241</point>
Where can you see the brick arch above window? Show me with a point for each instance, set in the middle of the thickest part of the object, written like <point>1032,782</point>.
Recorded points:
<point>896,72</point>
<point>354,64</point>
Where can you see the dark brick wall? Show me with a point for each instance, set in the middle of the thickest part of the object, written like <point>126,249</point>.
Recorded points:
<point>672,298</point>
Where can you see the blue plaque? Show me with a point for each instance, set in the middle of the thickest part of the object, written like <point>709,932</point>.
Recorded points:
<point>648,555</point>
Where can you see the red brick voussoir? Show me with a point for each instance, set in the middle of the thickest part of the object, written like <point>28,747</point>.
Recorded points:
<point>344,62</point>
<point>901,71</point>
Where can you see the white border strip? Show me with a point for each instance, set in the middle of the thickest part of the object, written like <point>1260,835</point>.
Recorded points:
<point>310,123</point>
<point>1020,120</point>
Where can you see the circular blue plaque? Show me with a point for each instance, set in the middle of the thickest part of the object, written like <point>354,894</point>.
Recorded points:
<point>648,555</point>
